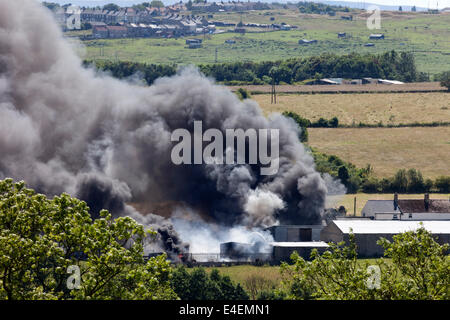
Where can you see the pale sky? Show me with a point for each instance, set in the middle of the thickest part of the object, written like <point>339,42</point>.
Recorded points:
<point>419,3</point>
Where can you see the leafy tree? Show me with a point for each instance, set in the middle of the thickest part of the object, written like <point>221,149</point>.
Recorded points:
<point>111,7</point>
<point>302,123</point>
<point>41,238</point>
<point>443,184</point>
<point>157,4</point>
<point>198,285</point>
<point>343,174</point>
<point>243,94</point>
<point>418,269</point>
<point>400,181</point>
<point>444,78</point>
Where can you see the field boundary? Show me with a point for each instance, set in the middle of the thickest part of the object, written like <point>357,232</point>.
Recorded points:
<point>417,87</point>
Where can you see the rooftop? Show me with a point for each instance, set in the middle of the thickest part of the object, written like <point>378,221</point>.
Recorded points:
<point>391,226</point>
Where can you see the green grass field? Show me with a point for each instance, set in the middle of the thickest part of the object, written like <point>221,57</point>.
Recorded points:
<point>424,35</point>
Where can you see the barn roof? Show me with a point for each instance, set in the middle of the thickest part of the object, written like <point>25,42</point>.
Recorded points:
<point>390,227</point>
<point>379,206</point>
<point>418,206</point>
<point>303,244</point>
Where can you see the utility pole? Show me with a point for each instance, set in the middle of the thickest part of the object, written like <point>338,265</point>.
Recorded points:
<point>273,93</point>
<point>215,58</point>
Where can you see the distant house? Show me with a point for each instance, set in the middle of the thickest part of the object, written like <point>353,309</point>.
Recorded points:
<point>342,35</point>
<point>407,209</point>
<point>100,32</point>
<point>384,81</point>
<point>332,81</point>
<point>195,45</point>
<point>285,27</point>
<point>350,18</point>
<point>369,44</point>
<point>193,41</point>
<point>378,36</point>
<point>305,41</point>
<point>117,31</point>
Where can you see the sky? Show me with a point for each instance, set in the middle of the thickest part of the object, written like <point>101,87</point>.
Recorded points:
<point>419,3</point>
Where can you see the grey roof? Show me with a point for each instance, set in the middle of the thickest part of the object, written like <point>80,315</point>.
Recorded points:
<point>390,227</point>
<point>379,206</point>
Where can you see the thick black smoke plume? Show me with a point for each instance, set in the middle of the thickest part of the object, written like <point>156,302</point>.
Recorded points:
<point>64,128</point>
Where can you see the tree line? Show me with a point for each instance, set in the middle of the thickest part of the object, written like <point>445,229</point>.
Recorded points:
<point>389,65</point>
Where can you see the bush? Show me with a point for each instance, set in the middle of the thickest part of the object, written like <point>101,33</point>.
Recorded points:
<point>197,285</point>
<point>41,238</point>
<point>443,184</point>
<point>419,269</point>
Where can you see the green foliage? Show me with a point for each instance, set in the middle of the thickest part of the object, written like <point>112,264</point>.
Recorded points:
<point>419,269</point>
<point>197,285</point>
<point>443,184</point>
<point>444,78</point>
<point>243,94</point>
<point>389,65</point>
<point>318,8</point>
<point>41,238</point>
<point>111,7</point>
<point>301,122</point>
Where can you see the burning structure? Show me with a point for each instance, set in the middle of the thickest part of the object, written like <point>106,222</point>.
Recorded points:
<point>64,128</point>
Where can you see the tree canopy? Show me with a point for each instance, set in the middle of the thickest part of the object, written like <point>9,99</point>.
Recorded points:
<point>44,242</point>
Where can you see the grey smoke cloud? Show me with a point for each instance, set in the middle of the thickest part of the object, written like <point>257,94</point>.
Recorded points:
<point>64,128</point>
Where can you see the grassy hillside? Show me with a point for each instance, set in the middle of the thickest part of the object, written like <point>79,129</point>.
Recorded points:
<point>370,108</point>
<point>388,149</point>
<point>425,35</point>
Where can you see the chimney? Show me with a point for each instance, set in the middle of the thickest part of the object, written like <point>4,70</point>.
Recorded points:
<point>395,201</point>
<point>427,201</point>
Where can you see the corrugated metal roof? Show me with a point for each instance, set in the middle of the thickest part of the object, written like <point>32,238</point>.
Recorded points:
<point>305,244</point>
<point>390,227</point>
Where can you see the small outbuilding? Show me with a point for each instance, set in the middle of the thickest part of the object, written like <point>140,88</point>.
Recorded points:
<point>282,251</point>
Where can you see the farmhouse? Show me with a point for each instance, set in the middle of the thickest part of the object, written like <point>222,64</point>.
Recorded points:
<point>408,209</point>
<point>368,232</point>
<point>342,35</point>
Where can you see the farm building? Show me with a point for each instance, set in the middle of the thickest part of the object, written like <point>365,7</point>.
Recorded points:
<point>407,209</point>
<point>368,232</point>
<point>305,41</point>
<point>282,251</point>
<point>295,233</point>
<point>342,35</point>
<point>377,36</point>
<point>384,81</point>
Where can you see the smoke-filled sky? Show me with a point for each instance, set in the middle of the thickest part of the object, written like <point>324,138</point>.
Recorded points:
<point>64,128</point>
